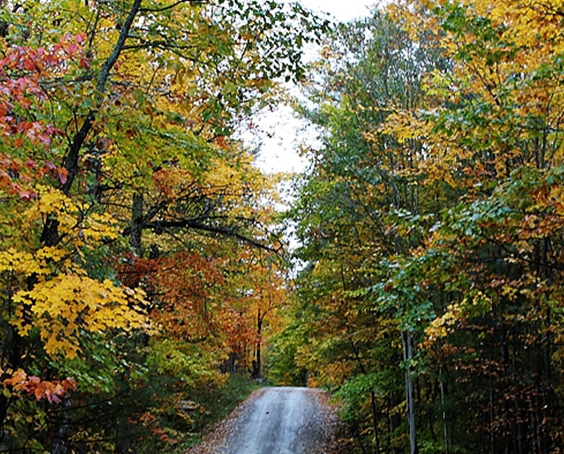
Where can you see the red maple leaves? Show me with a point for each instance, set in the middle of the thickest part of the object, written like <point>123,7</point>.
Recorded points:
<point>23,74</point>
<point>40,389</point>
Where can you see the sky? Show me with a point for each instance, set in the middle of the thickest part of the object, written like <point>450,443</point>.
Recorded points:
<point>282,133</point>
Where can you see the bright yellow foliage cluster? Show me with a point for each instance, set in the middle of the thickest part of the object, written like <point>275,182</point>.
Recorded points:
<point>74,218</point>
<point>62,306</point>
<point>510,72</point>
<point>51,293</point>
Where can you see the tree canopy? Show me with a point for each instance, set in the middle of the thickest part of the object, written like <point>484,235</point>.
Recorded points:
<point>141,250</point>
<point>129,213</point>
<point>430,223</point>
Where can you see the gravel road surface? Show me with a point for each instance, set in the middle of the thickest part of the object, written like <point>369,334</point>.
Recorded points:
<point>277,421</point>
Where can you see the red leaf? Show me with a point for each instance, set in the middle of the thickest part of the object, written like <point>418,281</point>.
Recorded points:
<point>33,380</point>
<point>69,383</point>
<point>25,103</point>
<point>62,174</point>
<point>27,195</point>
<point>29,64</point>
<point>5,179</point>
<point>53,131</point>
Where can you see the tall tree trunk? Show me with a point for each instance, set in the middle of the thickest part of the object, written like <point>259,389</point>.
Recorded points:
<point>491,415</point>
<point>60,443</point>
<point>123,426</point>
<point>372,397</point>
<point>232,363</point>
<point>407,343</point>
<point>3,24</point>
<point>13,356</point>
<point>258,364</point>
<point>14,362</point>
<point>73,155</point>
<point>375,421</point>
<point>444,413</point>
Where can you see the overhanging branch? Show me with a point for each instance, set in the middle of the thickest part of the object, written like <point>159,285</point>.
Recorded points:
<point>226,231</point>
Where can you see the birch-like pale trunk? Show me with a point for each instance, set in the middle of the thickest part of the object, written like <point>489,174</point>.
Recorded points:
<point>407,343</point>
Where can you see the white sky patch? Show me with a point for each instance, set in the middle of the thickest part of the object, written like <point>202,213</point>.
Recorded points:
<point>280,133</point>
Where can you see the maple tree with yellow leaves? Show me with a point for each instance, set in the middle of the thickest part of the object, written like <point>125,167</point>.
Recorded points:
<point>124,200</point>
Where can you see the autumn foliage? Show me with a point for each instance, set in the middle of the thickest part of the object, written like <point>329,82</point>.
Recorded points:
<point>431,220</point>
<point>128,210</point>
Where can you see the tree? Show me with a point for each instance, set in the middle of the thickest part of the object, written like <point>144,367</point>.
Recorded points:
<point>355,206</point>
<point>116,136</point>
<point>431,217</point>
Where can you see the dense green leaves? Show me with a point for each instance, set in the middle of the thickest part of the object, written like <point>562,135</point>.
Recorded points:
<point>431,223</point>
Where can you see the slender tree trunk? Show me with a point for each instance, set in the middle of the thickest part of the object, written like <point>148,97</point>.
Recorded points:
<point>73,155</point>
<point>445,424</point>
<point>60,444</point>
<point>14,355</point>
<point>123,426</point>
<point>4,406</point>
<point>372,396</point>
<point>232,363</point>
<point>258,360</point>
<point>3,24</point>
<point>407,342</point>
<point>375,421</point>
<point>492,436</point>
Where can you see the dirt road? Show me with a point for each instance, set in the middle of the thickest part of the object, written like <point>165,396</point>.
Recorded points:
<point>277,421</point>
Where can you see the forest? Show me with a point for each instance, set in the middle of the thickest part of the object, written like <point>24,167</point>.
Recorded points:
<point>151,275</point>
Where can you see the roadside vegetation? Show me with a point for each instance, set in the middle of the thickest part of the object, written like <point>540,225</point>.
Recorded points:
<point>431,227</point>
